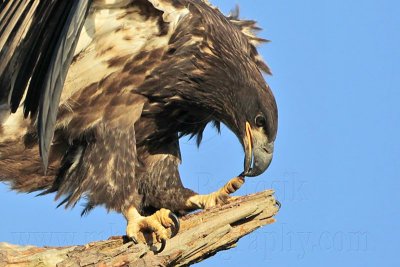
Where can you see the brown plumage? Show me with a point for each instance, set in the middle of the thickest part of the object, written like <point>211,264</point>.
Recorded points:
<point>143,73</point>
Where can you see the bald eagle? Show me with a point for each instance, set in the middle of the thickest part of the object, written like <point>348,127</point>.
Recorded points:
<point>94,96</point>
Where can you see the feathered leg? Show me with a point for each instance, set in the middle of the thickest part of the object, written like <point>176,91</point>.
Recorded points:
<point>162,192</point>
<point>163,224</point>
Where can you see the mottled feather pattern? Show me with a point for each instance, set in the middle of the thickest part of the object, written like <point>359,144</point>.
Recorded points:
<point>144,73</point>
<point>102,169</point>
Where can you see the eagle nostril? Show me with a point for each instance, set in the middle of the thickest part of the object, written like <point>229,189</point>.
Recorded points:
<point>268,150</point>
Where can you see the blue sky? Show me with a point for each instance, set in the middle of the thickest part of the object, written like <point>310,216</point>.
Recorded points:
<point>336,166</point>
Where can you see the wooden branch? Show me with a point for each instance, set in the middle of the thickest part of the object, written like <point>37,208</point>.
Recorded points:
<point>202,235</point>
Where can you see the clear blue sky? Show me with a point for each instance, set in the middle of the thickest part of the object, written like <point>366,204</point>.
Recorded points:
<point>337,161</point>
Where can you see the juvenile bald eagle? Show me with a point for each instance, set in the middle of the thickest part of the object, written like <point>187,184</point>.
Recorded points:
<point>110,86</point>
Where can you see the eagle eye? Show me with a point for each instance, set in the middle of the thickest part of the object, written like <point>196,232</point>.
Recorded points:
<point>260,121</point>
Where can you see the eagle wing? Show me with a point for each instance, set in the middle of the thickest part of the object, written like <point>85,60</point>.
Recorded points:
<point>37,43</point>
<point>88,90</point>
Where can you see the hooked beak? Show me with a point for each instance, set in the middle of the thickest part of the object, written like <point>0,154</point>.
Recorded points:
<point>258,152</point>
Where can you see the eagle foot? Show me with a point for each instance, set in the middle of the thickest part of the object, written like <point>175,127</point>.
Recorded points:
<point>158,227</point>
<point>220,197</point>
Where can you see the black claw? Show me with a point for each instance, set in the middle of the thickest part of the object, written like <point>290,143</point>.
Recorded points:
<point>278,204</point>
<point>163,244</point>
<point>133,240</point>
<point>177,224</point>
<point>127,239</point>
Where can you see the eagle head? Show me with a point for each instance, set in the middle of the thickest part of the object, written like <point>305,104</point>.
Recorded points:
<point>244,102</point>
<point>256,127</point>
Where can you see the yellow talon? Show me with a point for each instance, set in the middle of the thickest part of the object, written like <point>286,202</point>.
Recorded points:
<point>158,224</point>
<point>216,198</point>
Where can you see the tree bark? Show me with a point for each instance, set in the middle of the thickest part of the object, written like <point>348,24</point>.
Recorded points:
<point>201,236</point>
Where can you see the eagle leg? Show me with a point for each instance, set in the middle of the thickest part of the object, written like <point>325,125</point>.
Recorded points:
<point>218,197</point>
<point>163,224</point>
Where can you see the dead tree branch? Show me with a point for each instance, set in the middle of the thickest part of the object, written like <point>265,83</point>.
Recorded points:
<point>202,235</point>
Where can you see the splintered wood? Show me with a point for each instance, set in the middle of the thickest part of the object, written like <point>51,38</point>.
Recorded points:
<point>202,235</point>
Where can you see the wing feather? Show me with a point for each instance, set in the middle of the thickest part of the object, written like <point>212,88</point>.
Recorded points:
<point>37,43</point>
<point>59,64</point>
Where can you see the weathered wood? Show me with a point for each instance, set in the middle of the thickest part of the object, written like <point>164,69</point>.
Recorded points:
<point>202,235</point>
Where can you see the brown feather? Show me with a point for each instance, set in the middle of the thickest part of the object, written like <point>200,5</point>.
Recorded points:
<point>144,74</point>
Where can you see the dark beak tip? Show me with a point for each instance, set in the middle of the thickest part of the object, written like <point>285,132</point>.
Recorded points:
<point>261,163</point>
